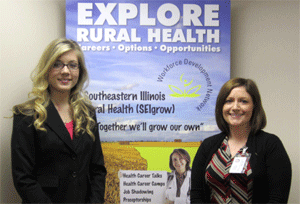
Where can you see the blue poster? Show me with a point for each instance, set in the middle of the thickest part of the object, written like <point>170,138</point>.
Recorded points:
<point>155,70</point>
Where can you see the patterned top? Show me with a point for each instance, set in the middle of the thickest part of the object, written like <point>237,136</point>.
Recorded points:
<point>179,182</point>
<point>226,187</point>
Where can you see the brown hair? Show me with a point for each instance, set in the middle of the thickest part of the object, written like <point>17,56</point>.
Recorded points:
<point>258,120</point>
<point>183,154</point>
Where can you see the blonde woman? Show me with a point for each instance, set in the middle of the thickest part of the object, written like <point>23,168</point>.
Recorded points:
<point>56,149</point>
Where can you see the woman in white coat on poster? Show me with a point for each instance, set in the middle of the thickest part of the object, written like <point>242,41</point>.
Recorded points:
<point>179,180</point>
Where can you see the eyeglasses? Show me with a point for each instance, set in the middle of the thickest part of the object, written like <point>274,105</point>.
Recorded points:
<point>59,66</point>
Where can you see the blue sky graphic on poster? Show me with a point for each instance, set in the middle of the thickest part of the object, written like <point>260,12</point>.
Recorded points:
<point>176,51</point>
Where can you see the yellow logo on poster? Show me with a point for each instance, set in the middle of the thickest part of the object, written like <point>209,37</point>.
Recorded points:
<point>191,93</point>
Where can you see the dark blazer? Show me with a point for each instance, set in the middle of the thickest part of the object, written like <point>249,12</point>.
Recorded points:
<point>48,167</point>
<point>270,164</point>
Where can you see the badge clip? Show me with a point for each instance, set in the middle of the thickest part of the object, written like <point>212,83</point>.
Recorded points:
<point>240,162</point>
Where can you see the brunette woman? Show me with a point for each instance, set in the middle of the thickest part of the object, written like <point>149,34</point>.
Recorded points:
<point>242,164</point>
<point>179,180</point>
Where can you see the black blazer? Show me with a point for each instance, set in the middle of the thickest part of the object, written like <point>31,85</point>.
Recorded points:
<point>48,167</point>
<point>269,161</point>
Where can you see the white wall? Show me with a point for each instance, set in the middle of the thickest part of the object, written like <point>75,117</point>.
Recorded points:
<point>265,47</point>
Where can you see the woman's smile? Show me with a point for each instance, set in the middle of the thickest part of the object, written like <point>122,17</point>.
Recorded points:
<point>179,163</point>
<point>64,79</point>
<point>238,107</point>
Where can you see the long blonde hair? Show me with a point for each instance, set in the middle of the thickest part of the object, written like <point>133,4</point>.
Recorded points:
<point>80,104</point>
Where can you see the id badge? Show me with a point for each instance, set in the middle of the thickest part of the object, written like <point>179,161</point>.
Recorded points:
<point>240,163</point>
